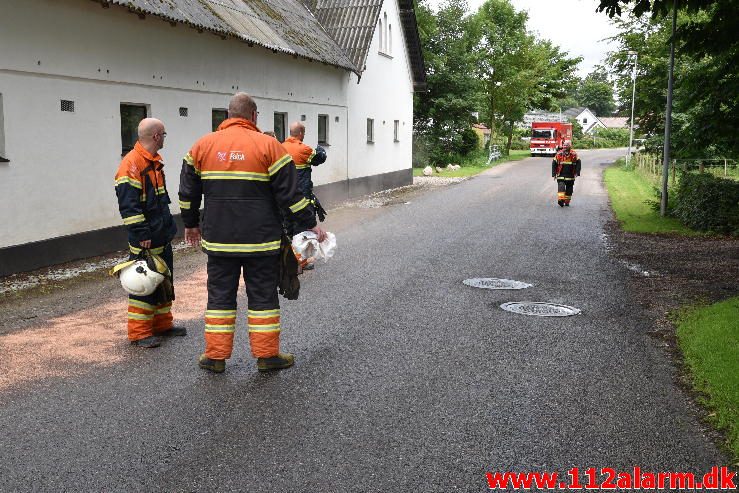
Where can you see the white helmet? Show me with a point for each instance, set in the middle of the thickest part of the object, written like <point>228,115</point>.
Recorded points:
<point>138,279</point>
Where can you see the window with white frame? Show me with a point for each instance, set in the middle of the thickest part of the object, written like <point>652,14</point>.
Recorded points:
<point>382,35</point>
<point>396,131</point>
<point>370,130</point>
<point>217,116</point>
<point>3,156</point>
<point>389,50</point>
<point>323,129</point>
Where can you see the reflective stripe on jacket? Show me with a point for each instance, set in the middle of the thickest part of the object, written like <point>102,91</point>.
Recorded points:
<point>566,166</point>
<point>143,200</point>
<point>246,177</point>
<point>304,158</point>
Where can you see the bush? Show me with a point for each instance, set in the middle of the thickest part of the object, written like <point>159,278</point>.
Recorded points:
<point>706,203</point>
<point>468,142</point>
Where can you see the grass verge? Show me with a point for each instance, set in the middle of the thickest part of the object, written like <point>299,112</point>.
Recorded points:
<point>475,165</point>
<point>629,192</point>
<point>709,339</point>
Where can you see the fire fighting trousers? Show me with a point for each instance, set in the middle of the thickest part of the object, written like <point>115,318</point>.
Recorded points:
<point>261,276</point>
<point>564,190</point>
<point>147,315</point>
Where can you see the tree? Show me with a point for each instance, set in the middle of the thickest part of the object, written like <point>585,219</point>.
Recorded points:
<point>596,93</point>
<point>444,111</point>
<point>658,8</point>
<point>517,71</point>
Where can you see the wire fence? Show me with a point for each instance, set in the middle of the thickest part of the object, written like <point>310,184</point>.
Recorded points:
<point>650,165</point>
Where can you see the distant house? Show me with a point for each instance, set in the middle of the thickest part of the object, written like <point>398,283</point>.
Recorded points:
<point>482,132</point>
<point>586,118</point>
<point>615,121</point>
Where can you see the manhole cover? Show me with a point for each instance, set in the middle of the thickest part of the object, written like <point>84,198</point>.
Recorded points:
<point>493,283</point>
<point>540,309</point>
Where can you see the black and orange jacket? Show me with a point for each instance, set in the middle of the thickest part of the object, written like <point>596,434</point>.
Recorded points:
<point>143,200</point>
<point>566,165</point>
<point>304,157</point>
<point>246,177</point>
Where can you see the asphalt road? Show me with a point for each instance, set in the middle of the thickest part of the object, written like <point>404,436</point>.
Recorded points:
<point>405,379</point>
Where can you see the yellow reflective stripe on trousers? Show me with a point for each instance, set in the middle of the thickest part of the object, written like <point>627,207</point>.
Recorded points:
<point>263,313</point>
<point>224,329</point>
<point>235,175</point>
<point>220,313</point>
<point>141,304</point>
<point>131,181</point>
<point>184,205</point>
<point>154,251</point>
<point>138,218</point>
<point>240,247</point>
<point>302,166</point>
<point>277,165</point>
<point>163,310</point>
<point>264,328</point>
<point>300,205</point>
<point>140,316</point>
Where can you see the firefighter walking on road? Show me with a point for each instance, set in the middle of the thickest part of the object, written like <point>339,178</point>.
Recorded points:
<point>143,202</point>
<point>565,168</point>
<point>246,178</point>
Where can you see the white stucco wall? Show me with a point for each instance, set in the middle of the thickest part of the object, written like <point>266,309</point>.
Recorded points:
<point>60,177</point>
<point>385,93</point>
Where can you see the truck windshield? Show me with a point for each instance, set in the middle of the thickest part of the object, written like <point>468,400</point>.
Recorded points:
<point>542,134</point>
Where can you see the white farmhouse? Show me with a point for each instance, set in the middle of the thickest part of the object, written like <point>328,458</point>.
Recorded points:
<point>587,119</point>
<point>76,76</point>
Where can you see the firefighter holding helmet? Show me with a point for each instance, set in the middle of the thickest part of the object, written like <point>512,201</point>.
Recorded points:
<point>566,167</point>
<point>246,177</point>
<point>143,201</point>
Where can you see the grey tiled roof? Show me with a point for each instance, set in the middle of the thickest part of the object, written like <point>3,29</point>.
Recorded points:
<point>281,25</point>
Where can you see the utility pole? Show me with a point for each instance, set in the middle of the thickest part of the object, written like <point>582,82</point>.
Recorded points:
<point>633,98</point>
<point>668,116</point>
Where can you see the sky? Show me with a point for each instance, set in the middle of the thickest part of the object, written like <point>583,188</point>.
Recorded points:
<point>573,25</point>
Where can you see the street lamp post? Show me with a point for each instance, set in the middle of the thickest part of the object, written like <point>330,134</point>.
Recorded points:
<point>668,117</point>
<point>633,98</point>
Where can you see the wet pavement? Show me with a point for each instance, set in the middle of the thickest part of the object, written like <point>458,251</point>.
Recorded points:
<point>405,378</point>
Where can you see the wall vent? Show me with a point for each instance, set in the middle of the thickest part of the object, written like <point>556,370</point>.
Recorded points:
<point>183,111</point>
<point>67,105</point>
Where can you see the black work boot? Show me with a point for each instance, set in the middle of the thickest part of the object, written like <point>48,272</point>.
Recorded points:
<point>279,362</point>
<point>173,332</point>
<point>148,342</point>
<point>561,203</point>
<point>214,365</point>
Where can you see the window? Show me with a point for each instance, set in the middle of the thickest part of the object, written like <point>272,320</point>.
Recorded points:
<point>370,130</point>
<point>3,156</point>
<point>396,130</point>
<point>584,121</point>
<point>218,115</point>
<point>131,115</point>
<point>382,35</point>
<point>384,46</point>
<point>280,126</point>
<point>389,39</point>
<point>323,129</point>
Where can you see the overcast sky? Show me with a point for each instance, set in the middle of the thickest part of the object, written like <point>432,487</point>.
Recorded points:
<point>572,25</point>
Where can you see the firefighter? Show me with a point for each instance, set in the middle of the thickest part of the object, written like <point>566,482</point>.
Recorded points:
<point>143,202</point>
<point>565,168</point>
<point>246,177</point>
<point>304,158</point>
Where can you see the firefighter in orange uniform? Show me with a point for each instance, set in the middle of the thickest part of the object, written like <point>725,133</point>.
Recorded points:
<point>304,158</point>
<point>246,177</point>
<point>565,168</point>
<point>143,202</point>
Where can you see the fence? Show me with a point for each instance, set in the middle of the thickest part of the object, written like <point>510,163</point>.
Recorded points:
<point>650,165</point>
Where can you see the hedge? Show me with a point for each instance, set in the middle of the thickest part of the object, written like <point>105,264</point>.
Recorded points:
<point>707,203</point>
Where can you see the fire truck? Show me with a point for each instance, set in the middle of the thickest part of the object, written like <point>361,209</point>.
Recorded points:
<point>548,137</point>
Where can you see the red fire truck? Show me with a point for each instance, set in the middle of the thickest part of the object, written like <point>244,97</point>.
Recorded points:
<point>547,137</point>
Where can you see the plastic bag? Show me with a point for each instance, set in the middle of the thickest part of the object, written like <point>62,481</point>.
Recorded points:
<point>307,245</point>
